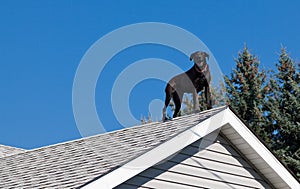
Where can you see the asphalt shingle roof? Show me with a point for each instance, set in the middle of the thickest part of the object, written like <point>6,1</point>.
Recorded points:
<point>74,163</point>
<point>8,151</point>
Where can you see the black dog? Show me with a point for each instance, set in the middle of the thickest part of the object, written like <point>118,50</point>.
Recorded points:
<point>192,81</point>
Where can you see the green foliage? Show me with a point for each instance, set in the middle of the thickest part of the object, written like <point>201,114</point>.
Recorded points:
<point>270,107</point>
<point>283,107</point>
<point>188,105</point>
<point>268,101</point>
<point>145,120</point>
<point>217,98</point>
<point>246,91</point>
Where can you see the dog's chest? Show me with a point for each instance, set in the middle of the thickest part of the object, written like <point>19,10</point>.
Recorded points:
<point>199,82</point>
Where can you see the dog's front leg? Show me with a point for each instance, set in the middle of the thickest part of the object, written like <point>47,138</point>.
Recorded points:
<point>196,101</point>
<point>208,97</point>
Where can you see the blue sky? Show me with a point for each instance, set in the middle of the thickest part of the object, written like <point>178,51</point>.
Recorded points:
<point>42,43</point>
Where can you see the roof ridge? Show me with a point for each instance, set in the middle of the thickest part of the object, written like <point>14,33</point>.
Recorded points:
<point>132,127</point>
<point>114,131</point>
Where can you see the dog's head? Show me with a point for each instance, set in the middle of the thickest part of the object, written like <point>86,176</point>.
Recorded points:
<point>200,59</point>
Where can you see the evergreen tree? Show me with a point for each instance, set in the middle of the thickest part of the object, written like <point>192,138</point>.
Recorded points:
<point>145,120</point>
<point>283,107</point>
<point>217,99</point>
<point>246,91</point>
<point>188,105</point>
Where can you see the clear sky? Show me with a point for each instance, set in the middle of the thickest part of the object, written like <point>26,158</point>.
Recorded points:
<point>43,42</point>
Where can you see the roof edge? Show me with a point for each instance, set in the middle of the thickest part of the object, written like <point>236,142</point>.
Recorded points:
<point>262,141</point>
<point>159,153</point>
<point>257,145</point>
<point>220,120</point>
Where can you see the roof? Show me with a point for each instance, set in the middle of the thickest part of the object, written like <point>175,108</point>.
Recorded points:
<point>8,151</point>
<point>103,160</point>
<point>74,163</point>
<point>231,127</point>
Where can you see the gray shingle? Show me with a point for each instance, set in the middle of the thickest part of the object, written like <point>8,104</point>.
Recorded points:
<point>72,164</point>
<point>8,151</point>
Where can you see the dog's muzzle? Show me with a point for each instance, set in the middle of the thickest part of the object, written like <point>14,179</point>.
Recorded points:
<point>203,70</point>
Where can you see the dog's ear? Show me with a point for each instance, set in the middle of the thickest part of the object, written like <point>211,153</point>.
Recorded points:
<point>192,56</point>
<point>207,55</point>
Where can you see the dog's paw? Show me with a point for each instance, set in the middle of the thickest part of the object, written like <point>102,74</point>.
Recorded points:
<point>167,119</point>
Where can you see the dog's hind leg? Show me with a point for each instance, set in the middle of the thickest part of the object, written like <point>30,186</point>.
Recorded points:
<point>177,97</point>
<point>168,92</point>
<point>167,101</point>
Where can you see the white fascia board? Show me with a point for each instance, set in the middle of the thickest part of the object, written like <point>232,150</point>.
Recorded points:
<point>159,153</point>
<point>261,150</point>
<point>170,147</point>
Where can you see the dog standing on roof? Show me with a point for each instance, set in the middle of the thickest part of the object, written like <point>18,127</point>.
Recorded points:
<point>192,81</point>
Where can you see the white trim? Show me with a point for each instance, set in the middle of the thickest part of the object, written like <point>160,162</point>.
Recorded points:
<point>262,151</point>
<point>177,143</point>
<point>159,153</point>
